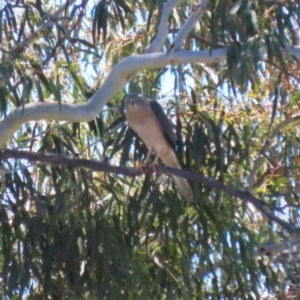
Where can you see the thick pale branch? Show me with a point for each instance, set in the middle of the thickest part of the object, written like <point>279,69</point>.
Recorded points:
<point>105,167</point>
<point>189,25</point>
<point>114,83</point>
<point>163,29</point>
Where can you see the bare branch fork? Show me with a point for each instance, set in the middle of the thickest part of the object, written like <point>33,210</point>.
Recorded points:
<point>132,172</point>
<point>123,72</point>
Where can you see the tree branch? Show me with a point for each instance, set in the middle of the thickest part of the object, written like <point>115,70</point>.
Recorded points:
<point>105,167</point>
<point>163,28</point>
<point>114,83</point>
<point>243,195</point>
<point>116,80</point>
<point>163,31</point>
<point>189,25</point>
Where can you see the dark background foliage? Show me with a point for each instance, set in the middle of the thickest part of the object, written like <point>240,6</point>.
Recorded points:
<point>74,233</point>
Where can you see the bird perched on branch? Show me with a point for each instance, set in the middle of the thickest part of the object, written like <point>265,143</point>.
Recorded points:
<point>149,122</point>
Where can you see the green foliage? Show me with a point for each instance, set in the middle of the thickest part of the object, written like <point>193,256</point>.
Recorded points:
<point>70,233</point>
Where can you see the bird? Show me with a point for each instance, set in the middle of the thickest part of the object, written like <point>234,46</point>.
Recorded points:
<point>147,119</point>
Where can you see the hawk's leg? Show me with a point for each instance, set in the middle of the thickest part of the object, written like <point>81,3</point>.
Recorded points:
<point>155,162</point>
<point>146,160</point>
<point>146,166</point>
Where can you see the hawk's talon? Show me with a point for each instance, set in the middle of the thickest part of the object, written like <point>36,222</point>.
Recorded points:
<point>148,169</point>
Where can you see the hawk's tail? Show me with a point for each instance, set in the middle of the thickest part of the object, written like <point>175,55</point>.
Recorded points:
<point>182,184</point>
<point>183,188</point>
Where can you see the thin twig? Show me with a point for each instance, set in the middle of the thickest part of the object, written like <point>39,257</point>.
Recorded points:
<point>42,29</point>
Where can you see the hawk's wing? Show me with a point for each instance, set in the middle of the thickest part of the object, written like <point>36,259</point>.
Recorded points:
<point>165,124</point>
